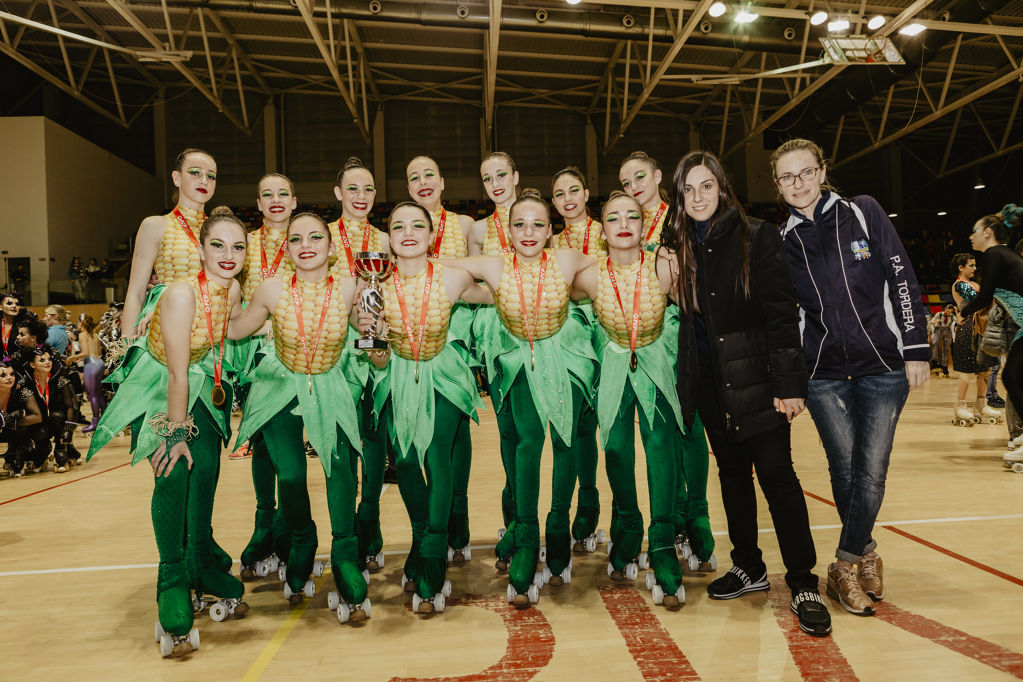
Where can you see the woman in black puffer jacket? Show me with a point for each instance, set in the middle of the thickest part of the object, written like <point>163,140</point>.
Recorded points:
<point>740,364</point>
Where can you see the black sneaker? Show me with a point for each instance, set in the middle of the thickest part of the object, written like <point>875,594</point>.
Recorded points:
<point>997,401</point>
<point>814,618</point>
<point>735,583</point>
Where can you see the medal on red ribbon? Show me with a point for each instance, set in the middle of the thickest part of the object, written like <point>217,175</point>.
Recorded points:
<point>522,302</point>
<point>657,219</point>
<point>265,272</point>
<point>440,233</point>
<point>296,300</point>
<point>399,291</point>
<point>217,395</point>
<point>186,228</point>
<point>634,330</point>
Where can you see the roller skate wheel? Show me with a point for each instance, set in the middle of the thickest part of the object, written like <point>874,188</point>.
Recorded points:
<point>282,573</point>
<point>545,575</point>
<point>610,569</point>
<point>650,581</point>
<point>166,645</point>
<point>439,602</point>
<point>343,613</point>
<point>713,561</point>
<point>686,550</point>
<point>631,571</point>
<point>193,638</point>
<point>572,542</point>
<point>657,592</point>
<point>273,562</point>
<point>159,631</point>
<point>218,612</point>
<point>538,580</point>
<point>451,554</point>
<point>694,562</point>
<point>380,559</point>
<point>511,594</point>
<point>601,537</point>
<point>416,601</point>
<point>262,568</point>
<point>533,593</point>
<point>287,591</point>
<point>317,568</point>
<point>543,553</point>
<point>365,575</point>
<point>644,561</point>
<point>566,574</point>
<point>1018,467</point>
<point>467,553</point>
<point>590,544</point>
<point>446,588</point>
<point>333,599</point>
<point>367,608</point>
<point>501,532</point>
<point>680,593</point>
<point>404,581</point>
<point>310,588</point>
<point>610,546</point>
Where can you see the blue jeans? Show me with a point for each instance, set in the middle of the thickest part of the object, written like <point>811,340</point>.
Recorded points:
<point>992,381</point>
<point>856,421</point>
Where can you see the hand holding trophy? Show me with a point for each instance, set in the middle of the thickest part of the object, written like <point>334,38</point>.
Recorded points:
<point>373,267</point>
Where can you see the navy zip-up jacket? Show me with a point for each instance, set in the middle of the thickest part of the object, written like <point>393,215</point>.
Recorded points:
<point>859,301</point>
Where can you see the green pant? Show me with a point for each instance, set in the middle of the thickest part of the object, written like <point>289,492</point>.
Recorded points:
<point>526,434</point>
<point>692,518</point>
<point>264,483</point>
<point>661,445</point>
<point>427,497</point>
<point>588,503</point>
<point>374,462</point>
<point>461,464</point>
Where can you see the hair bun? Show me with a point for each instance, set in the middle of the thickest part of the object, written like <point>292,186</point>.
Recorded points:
<point>222,211</point>
<point>353,162</point>
<point>530,193</point>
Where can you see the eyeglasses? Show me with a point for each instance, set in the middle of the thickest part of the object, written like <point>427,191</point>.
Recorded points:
<point>806,175</point>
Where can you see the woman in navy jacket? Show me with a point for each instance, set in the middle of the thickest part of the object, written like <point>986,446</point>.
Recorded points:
<point>865,342</point>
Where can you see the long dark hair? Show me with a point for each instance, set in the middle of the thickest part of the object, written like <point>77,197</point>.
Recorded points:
<point>678,229</point>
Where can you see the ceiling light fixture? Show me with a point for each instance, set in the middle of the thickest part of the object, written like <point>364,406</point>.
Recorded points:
<point>573,2</point>
<point>893,215</point>
<point>717,9</point>
<point>912,29</point>
<point>876,22</point>
<point>979,184</point>
<point>744,17</point>
<point>838,25</point>
<point>818,18</point>
<point>942,212</point>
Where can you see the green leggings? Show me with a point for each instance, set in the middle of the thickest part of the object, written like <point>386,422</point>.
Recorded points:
<point>374,462</point>
<point>525,435</point>
<point>588,502</point>
<point>264,483</point>
<point>461,463</point>
<point>182,512</point>
<point>692,519</point>
<point>283,435</point>
<point>661,445</point>
<point>427,497</point>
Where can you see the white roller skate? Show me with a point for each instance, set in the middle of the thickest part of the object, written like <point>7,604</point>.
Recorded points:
<point>435,604</point>
<point>375,562</point>
<point>962,416</point>
<point>346,612</point>
<point>295,598</point>
<point>261,568</point>
<point>169,642</point>
<point>219,609</point>
<point>989,414</point>
<point>459,554</point>
<point>1014,460</point>
<point>660,599</point>
<point>697,566</point>
<point>531,596</point>
<point>557,579</point>
<point>630,572</point>
<point>588,545</point>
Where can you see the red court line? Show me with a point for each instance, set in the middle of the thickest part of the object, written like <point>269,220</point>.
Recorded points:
<point>817,658</point>
<point>530,643</point>
<point>938,548</point>
<point>981,650</point>
<point>655,652</point>
<point>22,497</point>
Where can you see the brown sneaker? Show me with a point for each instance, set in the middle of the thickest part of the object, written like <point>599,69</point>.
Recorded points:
<point>871,572</point>
<point>844,587</point>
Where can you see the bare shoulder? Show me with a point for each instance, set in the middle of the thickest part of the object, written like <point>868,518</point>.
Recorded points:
<point>152,227</point>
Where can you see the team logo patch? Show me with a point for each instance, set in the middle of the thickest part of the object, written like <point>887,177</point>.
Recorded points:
<point>860,249</point>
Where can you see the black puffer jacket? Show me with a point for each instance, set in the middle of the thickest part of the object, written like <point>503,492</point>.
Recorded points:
<point>756,352</point>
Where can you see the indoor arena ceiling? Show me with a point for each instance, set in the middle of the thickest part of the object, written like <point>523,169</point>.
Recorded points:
<point>609,61</point>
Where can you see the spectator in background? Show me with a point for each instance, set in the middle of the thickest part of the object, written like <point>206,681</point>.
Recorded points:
<point>56,318</point>
<point>105,270</point>
<point>76,273</point>
<point>92,271</point>
<point>939,330</point>
<point>20,281</point>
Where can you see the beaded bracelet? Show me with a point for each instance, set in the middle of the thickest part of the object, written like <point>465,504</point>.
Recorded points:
<point>173,432</point>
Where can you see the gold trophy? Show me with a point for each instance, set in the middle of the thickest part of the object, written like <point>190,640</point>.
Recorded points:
<point>374,267</point>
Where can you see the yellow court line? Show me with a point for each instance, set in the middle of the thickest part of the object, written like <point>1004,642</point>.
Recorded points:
<point>274,645</point>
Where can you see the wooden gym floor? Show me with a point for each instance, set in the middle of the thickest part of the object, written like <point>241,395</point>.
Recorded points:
<point>77,577</point>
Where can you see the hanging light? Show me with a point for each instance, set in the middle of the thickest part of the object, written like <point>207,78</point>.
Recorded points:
<point>818,18</point>
<point>838,25</point>
<point>942,212</point>
<point>893,215</point>
<point>912,29</point>
<point>573,2</point>
<point>744,17</point>
<point>717,9</point>
<point>979,184</point>
<point>876,22</point>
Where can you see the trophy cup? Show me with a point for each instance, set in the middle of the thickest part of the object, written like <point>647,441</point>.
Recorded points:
<point>374,267</point>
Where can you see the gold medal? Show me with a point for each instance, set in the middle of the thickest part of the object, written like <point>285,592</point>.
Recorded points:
<point>310,377</point>
<point>532,360</point>
<point>415,374</point>
<point>218,396</point>
<point>633,362</point>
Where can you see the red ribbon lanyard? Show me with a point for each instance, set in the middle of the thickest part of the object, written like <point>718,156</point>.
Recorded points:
<point>44,391</point>
<point>347,244</point>
<point>207,307</point>
<point>634,331</point>
<point>296,299</point>
<point>657,217</point>
<point>586,236</point>
<point>440,233</point>
<point>522,301</point>
<point>500,233</point>
<point>265,272</point>
<point>5,331</point>
<point>399,290</point>
<point>188,230</point>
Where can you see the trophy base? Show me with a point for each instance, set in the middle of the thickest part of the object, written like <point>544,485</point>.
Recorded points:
<point>371,344</point>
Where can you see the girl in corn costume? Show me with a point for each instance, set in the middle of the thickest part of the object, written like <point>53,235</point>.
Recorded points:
<point>352,234</point>
<point>302,384</point>
<point>429,390</point>
<point>634,341</point>
<point>640,175</point>
<point>541,365</point>
<point>267,258</point>
<point>582,233</point>
<point>450,237</point>
<point>172,393</point>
